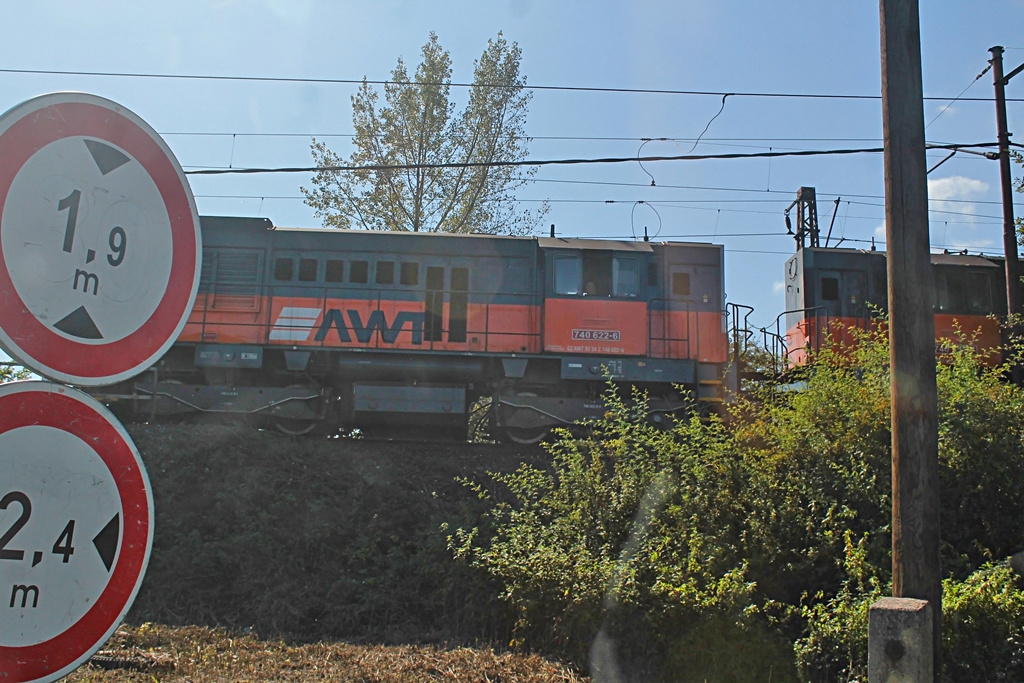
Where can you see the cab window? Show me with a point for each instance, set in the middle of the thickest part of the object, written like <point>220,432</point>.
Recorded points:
<point>568,275</point>
<point>625,276</point>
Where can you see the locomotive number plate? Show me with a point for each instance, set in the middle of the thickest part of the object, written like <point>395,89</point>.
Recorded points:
<point>596,335</point>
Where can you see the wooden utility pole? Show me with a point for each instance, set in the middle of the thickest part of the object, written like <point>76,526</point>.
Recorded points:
<point>1009,230</point>
<point>915,442</point>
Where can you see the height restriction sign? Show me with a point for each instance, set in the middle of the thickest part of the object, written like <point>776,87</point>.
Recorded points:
<point>76,528</point>
<point>99,240</point>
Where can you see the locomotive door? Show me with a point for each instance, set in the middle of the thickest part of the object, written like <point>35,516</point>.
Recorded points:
<point>446,308</point>
<point>694,296</point>
<point>681,321</point>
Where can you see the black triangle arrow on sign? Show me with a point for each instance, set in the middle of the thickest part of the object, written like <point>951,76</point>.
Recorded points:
<point>78,323</point>
<point>105,156</point>
<point>106,541</point>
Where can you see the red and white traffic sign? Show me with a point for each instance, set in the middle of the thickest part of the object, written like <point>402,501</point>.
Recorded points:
<point>76,528</point>
<point>100,247</point>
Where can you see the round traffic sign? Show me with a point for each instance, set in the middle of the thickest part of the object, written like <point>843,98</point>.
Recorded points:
<point>100,246</point>
<point>76,528</point>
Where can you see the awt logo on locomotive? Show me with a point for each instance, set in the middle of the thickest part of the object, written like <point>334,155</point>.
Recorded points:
<point>296,324</point>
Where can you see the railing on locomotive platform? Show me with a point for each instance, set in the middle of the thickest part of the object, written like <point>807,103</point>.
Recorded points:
<point>820,327</point>
<point>740,333</point>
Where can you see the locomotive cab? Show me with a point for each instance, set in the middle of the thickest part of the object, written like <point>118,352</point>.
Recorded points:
<point>830,291</point>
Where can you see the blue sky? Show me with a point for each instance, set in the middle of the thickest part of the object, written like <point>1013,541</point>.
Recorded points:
<point>724,46</point>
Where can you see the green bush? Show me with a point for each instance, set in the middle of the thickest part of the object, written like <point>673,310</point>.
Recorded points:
<point>626,554</point>
<point>983,626</point>
<point>982,631</point>
<point>817,459</point>
<point>691,553</point>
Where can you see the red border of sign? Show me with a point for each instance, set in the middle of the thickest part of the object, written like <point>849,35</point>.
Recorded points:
<point>66,409</point>
<point>128,356</point>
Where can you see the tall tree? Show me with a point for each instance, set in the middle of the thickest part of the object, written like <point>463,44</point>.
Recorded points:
<point>418,129</point>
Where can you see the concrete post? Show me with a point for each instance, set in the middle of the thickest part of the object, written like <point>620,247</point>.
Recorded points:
<point>900,644</point>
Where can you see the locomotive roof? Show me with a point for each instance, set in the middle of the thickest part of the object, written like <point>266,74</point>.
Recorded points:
<point>352,231</point>
<point>543,242</point>
<point>572,243</point>
<point>963,260</point>
<point>636,246</point>
<point>936,259</point>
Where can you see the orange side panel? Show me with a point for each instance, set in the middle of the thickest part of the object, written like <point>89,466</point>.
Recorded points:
<point>224,326</point>
<point>504,328</point>
<point>810,335</point>
<point>980,331</point>
<point>360,323</point>
<point>689,334</point>
<point>595,326</point>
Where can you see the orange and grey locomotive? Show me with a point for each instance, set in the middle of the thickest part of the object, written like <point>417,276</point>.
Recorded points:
<point>315,329</point>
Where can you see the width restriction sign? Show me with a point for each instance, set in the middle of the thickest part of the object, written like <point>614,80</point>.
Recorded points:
<point>76,529</point>
<point>99,240</point>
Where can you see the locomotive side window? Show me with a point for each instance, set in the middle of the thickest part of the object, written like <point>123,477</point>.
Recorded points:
<point>409,274</point>
<point>568,275</point>
<point>385,273</point>
<point>334,270</point>
<point>949,290</point>
<point>284,269</point>
<point>597,273</point>
<point>307,269</point>
<point>830,289</point>
<point>625,276</point>
<point>359,272</point>
<point>680,284</point>
<point>979,293</point>
<point>432,325</point>
<point>458,305</point>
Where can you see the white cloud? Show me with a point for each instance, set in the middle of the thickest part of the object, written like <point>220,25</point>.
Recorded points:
<point>955,187</point>
<point>778,287</point>
<point>951,221</point>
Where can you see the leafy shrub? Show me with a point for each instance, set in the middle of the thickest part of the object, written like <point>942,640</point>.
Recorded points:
<point>983,626</point>
<point>981,462</point>
<point>775,525</point>
<point>818,462</point>
<point>982,631</point>
<point>626,551</point>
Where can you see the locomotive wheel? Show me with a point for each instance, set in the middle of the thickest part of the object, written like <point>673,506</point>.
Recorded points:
<point>526,437</point>
<point>295,427</point>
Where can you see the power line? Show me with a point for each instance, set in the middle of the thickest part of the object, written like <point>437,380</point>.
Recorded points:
<point>682,205</point>
<point>559,88</point>
<point>582,138</point>
<point>951,102</point>
<point>563,162</point>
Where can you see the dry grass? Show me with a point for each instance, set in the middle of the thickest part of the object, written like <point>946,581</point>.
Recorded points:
<point>155,654</point>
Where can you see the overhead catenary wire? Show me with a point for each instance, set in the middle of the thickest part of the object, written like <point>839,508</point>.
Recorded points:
<point>955,99</point>
<point>563,88</point>
<point>566,162</point>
